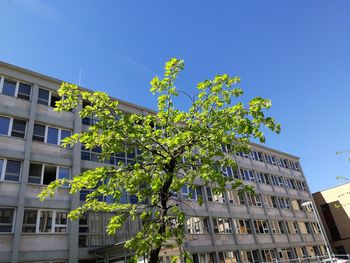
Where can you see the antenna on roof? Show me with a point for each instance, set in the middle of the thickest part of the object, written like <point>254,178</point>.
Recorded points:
<point>79,78</point>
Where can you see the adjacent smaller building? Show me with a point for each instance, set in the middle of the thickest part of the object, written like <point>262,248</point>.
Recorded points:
<point>333,206</point>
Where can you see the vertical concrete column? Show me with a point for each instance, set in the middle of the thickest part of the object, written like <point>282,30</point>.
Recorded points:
<point>24,175</point>
<point>73,226</point>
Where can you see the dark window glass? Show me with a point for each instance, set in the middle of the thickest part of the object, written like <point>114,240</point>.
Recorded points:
<point>39,133</point>
<point>63,173</point>
<point>45,223</point>
<point>65,134</point>
<point>29,221</point>
<point>52,135</point>
<point>9,87</point>
<point>18,128</point>
<point>24,91</point>
<point>54,98</point>
<point>35,171</point>
<point>6,219</point>
<point>1,165</point>
<point>4,125</point>
<point>43,97</point>
<point>49,174</point>
<point>13,170</point>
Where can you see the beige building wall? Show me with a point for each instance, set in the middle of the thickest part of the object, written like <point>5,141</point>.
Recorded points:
<point>333,205</point>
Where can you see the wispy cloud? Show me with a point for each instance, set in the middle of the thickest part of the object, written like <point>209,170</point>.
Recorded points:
<point>40,8</point>
<point>134,65</point>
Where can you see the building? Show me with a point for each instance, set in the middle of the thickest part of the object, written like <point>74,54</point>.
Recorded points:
<point>333,206</point>
<point>226,228</point>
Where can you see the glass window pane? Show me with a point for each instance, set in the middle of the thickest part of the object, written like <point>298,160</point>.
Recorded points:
<point>63,173</point>
<point>45,224</point>
<point>24,91</point>
<point>13,170</point>
<point>18,128</point>
<point>35,171</point>
<point>9,87</point>
<point>1,165</point>
<point>43,97</point>
<point>6,215</point>
<point>52,135</point>
<point>65,134</point>
<point>49,174</point>
<point>54,98</point>
<point>4,125</point>
<point>29,221</point>
<point>39,133</point>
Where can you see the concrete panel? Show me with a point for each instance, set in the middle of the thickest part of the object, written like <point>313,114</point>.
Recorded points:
<point>259,165</point>
<point>9,189</point>
<point>6,243</point>
<point>281,238</point>
<point>243,161</point>
<point>14,107</point>
<point>51,154</point>
<point>297,174</point>
<point>305,195</point>
<point>221,240</point>
<point>258,211</point>
<point>33,191</point>
<point>264,239</point>
<point>300,214</point>
<point>292,192</point>
<point>5,256</point>
<point>239,209</point>
<point>245,239</point>
<point>11,147</point>
<point>287,213</point>
<point>308,237</point>
<point>272,168</point>
<point>47,115</point>
<point>48,204</point>
<point>285,171</point>
<point>199,240</point>
<point>218,208</point>
<point>295,238</point>
<point>273,212</point>
<point>43,242</point>
<point>265,188</point>
<point>280,190</point>
<point>43,255</point>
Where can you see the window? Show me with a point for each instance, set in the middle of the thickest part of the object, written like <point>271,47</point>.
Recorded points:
<point>284,203</point>
<point>294,166</point>
<point>301,186</point>
<point>47,134</point>
<point>242,226</point>
<point>247,175</point>
<point>228,257</point>
<point>268,255</point>
<point>269,201</point>
<point>197,225</point>
<point>47,98</point>
<point>242,154</point>
<point>15,88</point>
<point>214,196</point>
<point>305,228</point>
<point>257,156</point>
<point>45,174</point>
<point>222,225</point>
<point>278,227</point>
<point>254,200</point>
<point>270,159</point>
<point>249,256</point>
<point>89,120</point>
<point>126,157</point>
<point>277,180</point>
<point>289,183</point>
<point>229,172</point>
<point>316,228</point>
<point>194,192</point>
<point>45,221</point>
<point>12,127</point>
<point>261,227</point>
<point>235,198</point>
<point>262,178</point>
<point>292,227</point>
<point>10,170</point>
<point>203,258</point>
<point>6,219</point>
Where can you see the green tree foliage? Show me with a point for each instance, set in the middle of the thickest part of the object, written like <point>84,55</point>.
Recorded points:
<point>176,147</point>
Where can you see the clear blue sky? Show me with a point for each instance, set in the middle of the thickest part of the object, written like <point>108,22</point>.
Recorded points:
<point>295,52</point>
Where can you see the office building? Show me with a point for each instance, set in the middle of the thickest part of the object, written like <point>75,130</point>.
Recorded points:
<point>272,225</point>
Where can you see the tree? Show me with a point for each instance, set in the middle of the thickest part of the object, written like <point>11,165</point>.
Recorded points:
<point>175,147</point>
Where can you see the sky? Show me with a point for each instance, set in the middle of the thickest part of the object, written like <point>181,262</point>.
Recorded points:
<point>294,52</point>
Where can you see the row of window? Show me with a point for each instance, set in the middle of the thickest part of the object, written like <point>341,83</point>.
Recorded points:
<point>35,221</point>
<point>10,170</point>
<point>42,133</point>
<point>268,158</point>
<point>255,256</point>
<point>270,179</point>
<point>200,225</point>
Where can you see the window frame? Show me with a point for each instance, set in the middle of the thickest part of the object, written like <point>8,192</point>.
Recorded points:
<point>53,221</point>
<point>2,81</point>
<point>43,171</point>
<point>59,134</point>
<point>10,127</point>
<point>49,101</point>
<point>13,219</point>
<point>4,168</point>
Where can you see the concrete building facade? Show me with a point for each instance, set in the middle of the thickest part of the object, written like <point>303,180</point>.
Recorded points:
<point>333,206</point>
<point>271,225</point>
